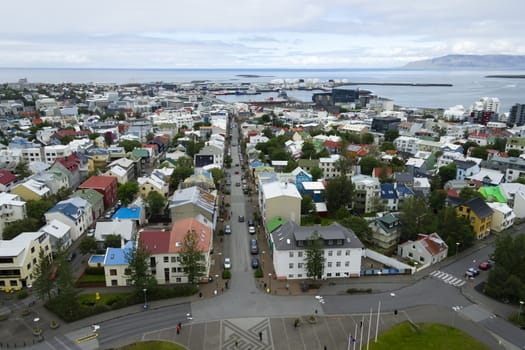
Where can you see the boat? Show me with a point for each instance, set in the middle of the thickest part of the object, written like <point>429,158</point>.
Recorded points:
<point>282,94</point>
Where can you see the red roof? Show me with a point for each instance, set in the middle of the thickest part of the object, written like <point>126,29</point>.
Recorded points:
<point>6,177</point>
<point>433,243</point>
<point>453,193</point>
<point>155,241</point>
<point>480,135</point>
<point>377,171</point>
<point>331,144</point>
<point>182,227</point>
<point>98,182</point>
<point>71,162</point>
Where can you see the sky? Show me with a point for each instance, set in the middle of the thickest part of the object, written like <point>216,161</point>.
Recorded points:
<point>254,33</point>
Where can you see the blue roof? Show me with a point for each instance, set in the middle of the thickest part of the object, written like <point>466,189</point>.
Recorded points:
<point>66,208</point>
<point>256,164</point>
<point>388,191</point>
<point>117,256</point>
<point>402,188</point>
<point>132,213</point>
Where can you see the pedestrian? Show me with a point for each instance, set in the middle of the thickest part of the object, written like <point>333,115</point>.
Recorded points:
<point>178,329</point>
<point>180,325</point>
<point>260,336</point>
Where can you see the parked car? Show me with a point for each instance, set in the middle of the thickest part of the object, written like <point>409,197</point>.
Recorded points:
<point>241,218</point>
<point>255,263</point>
<point>237,184</point>
<point>485,265</point>
<point>472,272</point>
<point>228,230</point>
<point>251,227</point>
<point>254,247</point>
<point>90,232</point>
<point>71,256</point>
<point>227,263</point>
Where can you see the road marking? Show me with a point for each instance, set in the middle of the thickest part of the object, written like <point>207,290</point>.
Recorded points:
<point>460,284</point>
<point>449,278</point>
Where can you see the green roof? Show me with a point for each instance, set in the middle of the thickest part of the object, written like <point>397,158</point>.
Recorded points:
<point>90,195</point>
<point>308,163</point>
<point>140,153</point>
<point>275,223</point>
<point>492,193</point>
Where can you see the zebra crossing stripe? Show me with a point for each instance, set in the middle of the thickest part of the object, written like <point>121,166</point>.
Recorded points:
<point>441,274</point>
<point>453,281</point>
<point>434,273</point>
<point>449,278</point>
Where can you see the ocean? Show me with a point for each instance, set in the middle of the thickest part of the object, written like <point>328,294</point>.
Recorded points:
<point>468,85</point>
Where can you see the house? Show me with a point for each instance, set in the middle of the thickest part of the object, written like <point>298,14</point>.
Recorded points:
<point>309,164</point>
<point>200,178</point>
<point>466,168</point>
<point>367,193</point>
<point>74,167</point>
<point>478,214</point>
<point>386,230</point>
<point>190,202</point>
<point>342,250</point>
<point>210,154</point>
<point>422,185</point>
<point>119,173</point>
<point>116,265</point>
<point>426,250</point>
<point>18,258</point>
<point>133,213</point>
<point>106,185</point>
<point>128,165</point>
<point>389,197</point>
<point>31,190</point>
<point>7,180</point>
<point>300,177</point>
<point>329,167</point>
<point>74,212</point>
<point>58,231</point>
<point>152,183</point>
<point>515,195</point>
<point>492,194</point>
<point>486,177</point>
<point>126,229</point>
<point>503,216</point>
<point>54,178</point>
<point>94,198</point>
<point>314,189</point>
<point>12,208</point>
<point>279,199</point>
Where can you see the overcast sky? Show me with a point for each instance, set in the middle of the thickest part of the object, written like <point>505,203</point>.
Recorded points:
<point>254,33</point>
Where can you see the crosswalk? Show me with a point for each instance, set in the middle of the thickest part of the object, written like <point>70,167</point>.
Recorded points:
<point>448,278</point>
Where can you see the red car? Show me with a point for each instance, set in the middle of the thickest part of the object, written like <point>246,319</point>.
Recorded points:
<point>485,265</point>
<point>236,171</point>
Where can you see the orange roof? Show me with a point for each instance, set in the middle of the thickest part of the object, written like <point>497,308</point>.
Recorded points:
<point>182,227</point>
<point>433,243</point>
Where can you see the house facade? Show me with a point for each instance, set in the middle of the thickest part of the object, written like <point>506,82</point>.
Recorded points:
<point>105,185</point>
<point>479,215</point>
<point>426,250</point>
<point>279,199</point>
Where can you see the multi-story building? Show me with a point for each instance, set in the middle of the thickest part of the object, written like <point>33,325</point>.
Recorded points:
<point>329,166</point>
<point>18,258</point>
<point>51,153</point>
<point>386,230</point>
<point>516,115</point>
<point>407,144</point>
<point>503,216</point>
<point>367,193</point>
<point>426,250</point>
<point>478,214</point>
<point>279,199</point>
<point>12,208</point>
<point>75,212</point>
<point>342,249</point>
<point>106,185</point>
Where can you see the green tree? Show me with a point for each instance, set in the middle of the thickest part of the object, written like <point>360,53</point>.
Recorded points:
<point>344,164</point>
<point>156,203</point>
<point>415,218</point>
<point>150,136</point>
<point>129,145</point>
<point>367,138</point>
<point>108,138</point>
<point>218,175</point>
<point>87,245</point>
<point>37,209</point>
<point>359,226</point>
<point>467,145</point>
<point>520,180</point>
<point>43,284</point>
<point>314,259</point>
<point>437,198</point>
<point>193,148</point>
<point>65,140</point>
<point>454,229</point>
<point>141,278</point>
<point>447,173</point>
<point>479,152</point>
<point>15,228</point>
<point>308,151</point>
<point>469,193</point>
<point>192,259</point>
<point>65,284</point>
<point>339,192</point>
<point>180,173</point>
<point>290,166</point>
<point>391,135</point>
<point>316,173</point>
<point>387,146</point>
<point>22,170</point>
<point>514,153</point>
<point>307,205</point>
<point>112,241</point>
<point>126,192</point>
<point>368,164</point>
<point>500,144</point>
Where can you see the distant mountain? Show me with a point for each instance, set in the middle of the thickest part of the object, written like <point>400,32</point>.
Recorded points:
<point>470,62</point>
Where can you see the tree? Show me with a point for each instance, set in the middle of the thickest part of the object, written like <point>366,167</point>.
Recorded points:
<point>467,145</point>
<point>150,136</point>
<point>43,283</point>
<point>437,199</point>
<point>447,173</point>
<point>92,136</point>
<point>112,241</point>
<point>37,209</point>
<point>88,245</point>
<point>126,192</point>
<point>469,193</point>
<point>344,164</point>
<point>307,205</point>
<point>415,218</point>
<point>314,256</point>
<point>15,228</point>
<point>514,153</point>
<point>218,175</point>
<point>454,229</point>
<point>129,145</point>
<point>500,144</point>
<point>359,226</point>
<point>316,173</point>
<point>108,138</point>
<point>180,173</point>
<point>368,164</point>
<point>387,146</point>
<point>192,259</point>
<point>391,135</point>
<point>140,275</point>
<point>22,170</point>
<point>479,152</point>
<point>308,151</point>
<point>156,203</point>
<point>193,148</point>
<point>339,193</point>
<point>65,283</point>
<point>367,138</point>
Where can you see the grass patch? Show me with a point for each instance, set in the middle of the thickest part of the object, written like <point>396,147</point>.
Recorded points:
<point>157,345</point>
<point>431,336</point>
<point>92,278</point>
<point>105,299</point>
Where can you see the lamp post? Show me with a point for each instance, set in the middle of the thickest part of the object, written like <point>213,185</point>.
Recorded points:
<point>457,248</point>
<point>36,319</point>
<point>519,315</point>
<point>145,290</point>
<point>270,283</point>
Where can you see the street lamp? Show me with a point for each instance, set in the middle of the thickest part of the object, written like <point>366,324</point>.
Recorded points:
<point>36,319</point>
<point>145,290</point>
<point>270,284</point>
<point>519,315</point>
<point>457,248</point>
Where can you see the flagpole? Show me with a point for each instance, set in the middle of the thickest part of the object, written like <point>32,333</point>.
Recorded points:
<point>355,335</point>
<point>369,328</point>
<point>361,338</point>
<point>378,314</point>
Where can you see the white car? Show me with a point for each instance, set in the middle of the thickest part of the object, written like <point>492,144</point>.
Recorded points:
<point>227,263</point>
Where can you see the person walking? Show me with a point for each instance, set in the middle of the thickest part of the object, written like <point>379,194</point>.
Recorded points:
<point>178,329</point>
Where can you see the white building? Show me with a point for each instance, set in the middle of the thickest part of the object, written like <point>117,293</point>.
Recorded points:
<point>12,208</point>
<point>502,216</point>
<point>407,144</point>
<point>426,250</point>
<point>279,199</point>
<point>366,193</point>
<point>342,251</point>
<point>328,166</point>
<point>51,153</point>
<point>57,231</point>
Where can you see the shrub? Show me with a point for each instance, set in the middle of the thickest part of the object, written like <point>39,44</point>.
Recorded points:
<point>258,273</point>
<point>22,294</point>
<point>226,274</point>
<point>94,271</point>
<point>359,290</point>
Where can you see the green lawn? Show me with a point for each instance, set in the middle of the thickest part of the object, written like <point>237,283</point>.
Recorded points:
<point>431,336</point>
<point>92,278</point>
<point>157,345</point>
<point>104,297</point>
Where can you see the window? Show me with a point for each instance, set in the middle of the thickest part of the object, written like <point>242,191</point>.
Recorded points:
<point>329,274</point>
<point>347,263</point>
<point>113,272</point>
<point>330,253</point>
<point>410,254</point>
<point>32,249</point>
<point>173,270</point>
<point>178,280</point>
<point>2,283</point>
<point>290,254</point>
<point>127,272</point>
<point>28,266</point>
<point>13,283</point>
<point>300,254</point>
<point>166,259</point>
<point>173,259</point>
<point>347,253</point>
<point>422,259</point>
<point>299,265</point>
<point>114,282</point>
<point>180,269</point>
<point>338,253</point>
<point>290,265</point>
<point>329,264</point>
<point>299,275</point>
<point>337,274</point>
<point>337,264</point>
<point>290,276</point>
<point>34,261</point>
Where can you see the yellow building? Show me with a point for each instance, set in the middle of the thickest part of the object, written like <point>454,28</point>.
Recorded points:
<point>479,215</point>
<point>31,190</point>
